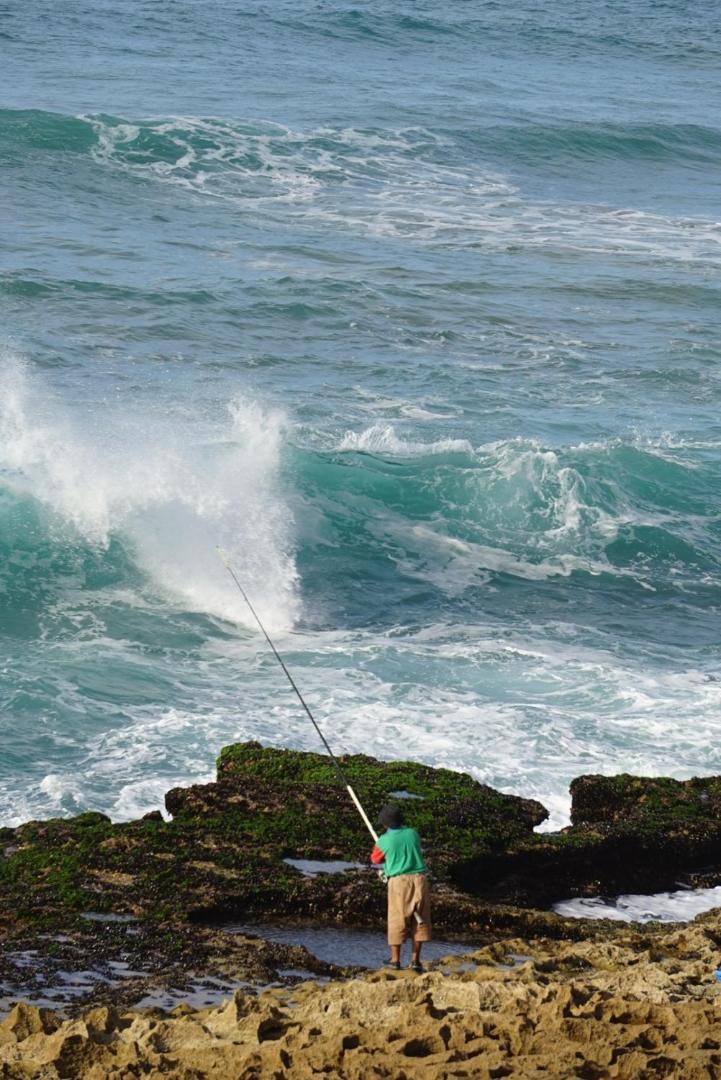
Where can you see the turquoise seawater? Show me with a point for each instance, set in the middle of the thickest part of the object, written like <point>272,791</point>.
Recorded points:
<point>414,308</point>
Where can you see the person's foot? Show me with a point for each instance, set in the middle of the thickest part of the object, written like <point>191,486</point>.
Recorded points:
<point>395,964</point>
<point>415,965</point>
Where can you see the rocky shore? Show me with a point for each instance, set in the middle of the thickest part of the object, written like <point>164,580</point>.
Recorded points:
<point>138,909</point>
<point>638,1007</point>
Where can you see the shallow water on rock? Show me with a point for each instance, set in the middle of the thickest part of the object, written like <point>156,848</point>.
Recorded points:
<point>107,917</point>
<point>199,994</point>
<point>345,947</point>
<point>311,867</point>
<point>61,988</point>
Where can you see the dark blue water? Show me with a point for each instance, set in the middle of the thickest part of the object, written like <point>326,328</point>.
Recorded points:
<point>414,308</point>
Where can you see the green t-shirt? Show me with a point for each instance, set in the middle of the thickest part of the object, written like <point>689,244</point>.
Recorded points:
<point>402,849</point>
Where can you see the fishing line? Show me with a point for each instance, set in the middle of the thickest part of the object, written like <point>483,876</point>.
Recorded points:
<point>341,775</point>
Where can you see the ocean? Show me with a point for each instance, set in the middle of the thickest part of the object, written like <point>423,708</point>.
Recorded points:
<point>414,308</point>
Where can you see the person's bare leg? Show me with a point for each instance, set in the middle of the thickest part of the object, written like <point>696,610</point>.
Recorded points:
<point>395,954</point>
<point>417,946</point>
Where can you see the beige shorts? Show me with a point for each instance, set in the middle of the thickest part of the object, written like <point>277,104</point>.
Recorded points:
<point>408,893</point>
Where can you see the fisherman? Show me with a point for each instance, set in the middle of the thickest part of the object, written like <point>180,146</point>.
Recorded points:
<point>409,902</point>
<point>409,899</point>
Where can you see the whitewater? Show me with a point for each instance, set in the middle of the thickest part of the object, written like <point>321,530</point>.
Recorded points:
<point>415,312</point>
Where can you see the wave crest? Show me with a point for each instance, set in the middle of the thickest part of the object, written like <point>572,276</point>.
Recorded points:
<point>458,516</point>
<point>404,183</point>
<point>170,492</point>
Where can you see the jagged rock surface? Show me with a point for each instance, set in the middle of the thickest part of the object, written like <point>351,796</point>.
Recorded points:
<point>636,1008</point>
<point>222,856</point>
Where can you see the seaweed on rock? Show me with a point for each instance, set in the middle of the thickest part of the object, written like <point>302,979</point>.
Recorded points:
<point>222,854</point>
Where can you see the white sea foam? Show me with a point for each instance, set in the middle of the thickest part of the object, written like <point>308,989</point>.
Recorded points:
<point>525,713</point>
<point>422,410</point>
<point>396,184</point>
<point>63,793</point>
<point>172,491</point>
<point>678,906</point>
<point>137,797</point>
<point>514,506</point>
<point>382,439</point>
<point>546,520</point>
<point>453,554</point>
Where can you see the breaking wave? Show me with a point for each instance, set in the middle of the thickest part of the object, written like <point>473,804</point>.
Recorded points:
<point>455,515</point>
<point>109,490</point>
<point>118,497</point>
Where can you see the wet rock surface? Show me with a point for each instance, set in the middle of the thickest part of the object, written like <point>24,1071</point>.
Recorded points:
<point>93,912</point>
<point>639,1007</point>
<point>126,965</point>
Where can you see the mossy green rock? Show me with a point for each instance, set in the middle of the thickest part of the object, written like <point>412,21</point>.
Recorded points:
<point>222,858</point>
<point>628,834</point>
<point>295,802</point>
<point>222,854</point>
<point>652,804</point>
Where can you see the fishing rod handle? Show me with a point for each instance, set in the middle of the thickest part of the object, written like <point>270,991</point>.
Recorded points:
<point>362,812</point>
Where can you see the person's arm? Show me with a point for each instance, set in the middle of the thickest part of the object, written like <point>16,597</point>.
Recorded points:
<point>377,856</point>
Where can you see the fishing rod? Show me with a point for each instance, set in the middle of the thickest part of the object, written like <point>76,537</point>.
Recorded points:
<point>341,775</point>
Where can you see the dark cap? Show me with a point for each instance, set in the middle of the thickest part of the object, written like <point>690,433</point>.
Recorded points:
<point>391,816</point>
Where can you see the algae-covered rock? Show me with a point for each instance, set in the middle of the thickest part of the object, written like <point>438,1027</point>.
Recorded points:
<point>628,834</point>
<point>653,804</point>
<point>63,883</point>
<point>295,801</point>
<point>222,856</point>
